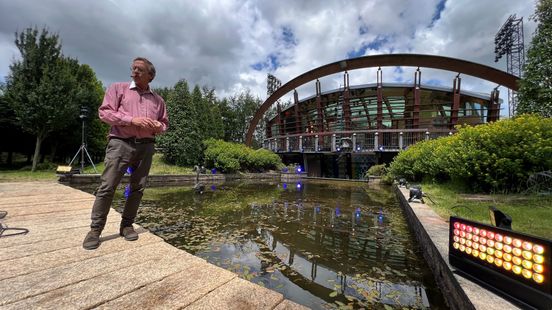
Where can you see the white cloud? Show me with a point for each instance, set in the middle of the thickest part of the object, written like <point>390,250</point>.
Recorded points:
<point>217,43</point>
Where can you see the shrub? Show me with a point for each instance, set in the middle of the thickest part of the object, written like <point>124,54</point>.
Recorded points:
<point>232,157</point>
<point>377,170</point>
<point>498,156</point>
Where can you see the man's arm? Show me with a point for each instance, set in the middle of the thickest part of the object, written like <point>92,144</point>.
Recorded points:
<point>109,110</point>
<point>164,118</point>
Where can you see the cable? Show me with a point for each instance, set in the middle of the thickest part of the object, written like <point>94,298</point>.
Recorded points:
<point>18,231</point>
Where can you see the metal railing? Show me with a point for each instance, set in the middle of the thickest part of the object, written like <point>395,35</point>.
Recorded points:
<point>383,140</point>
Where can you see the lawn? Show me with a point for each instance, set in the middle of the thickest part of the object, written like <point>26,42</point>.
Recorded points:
<point>49,174</point>
<point>530,214</point>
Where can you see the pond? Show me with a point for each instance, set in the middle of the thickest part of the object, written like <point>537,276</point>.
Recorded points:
<point>321,244</point>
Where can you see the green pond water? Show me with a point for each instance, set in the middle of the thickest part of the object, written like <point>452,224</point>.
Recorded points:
<point>323,245</point>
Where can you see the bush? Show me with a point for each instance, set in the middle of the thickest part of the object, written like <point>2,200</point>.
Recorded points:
<point>377,170</point>
<point>232,157</point>
<point>497,156</point>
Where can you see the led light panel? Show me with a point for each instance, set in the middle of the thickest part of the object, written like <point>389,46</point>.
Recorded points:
<point>515,263</point>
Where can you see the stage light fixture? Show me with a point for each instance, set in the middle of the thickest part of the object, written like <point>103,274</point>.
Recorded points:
<point>515,263</point>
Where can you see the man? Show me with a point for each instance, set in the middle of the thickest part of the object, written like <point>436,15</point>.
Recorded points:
<point>136,115</point>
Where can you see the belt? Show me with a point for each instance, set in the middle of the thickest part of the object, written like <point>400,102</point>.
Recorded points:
<point>135,140</point>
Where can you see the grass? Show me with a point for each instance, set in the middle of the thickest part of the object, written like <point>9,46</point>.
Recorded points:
<point>531,214</point>
<point>157,167</point>
<point>24,174</point>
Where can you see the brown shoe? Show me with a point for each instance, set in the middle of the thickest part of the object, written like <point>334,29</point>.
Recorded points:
<point>92,240</point>
<point>129,233</point>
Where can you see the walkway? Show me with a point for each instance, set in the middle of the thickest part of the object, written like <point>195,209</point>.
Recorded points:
<point>48,268</point>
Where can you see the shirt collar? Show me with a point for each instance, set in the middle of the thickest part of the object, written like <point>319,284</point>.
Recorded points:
<point>133,86</point>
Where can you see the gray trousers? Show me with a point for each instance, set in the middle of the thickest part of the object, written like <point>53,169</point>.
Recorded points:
<point>119,156</point>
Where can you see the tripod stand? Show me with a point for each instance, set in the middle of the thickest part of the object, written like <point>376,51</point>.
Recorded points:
<point>82,150</point>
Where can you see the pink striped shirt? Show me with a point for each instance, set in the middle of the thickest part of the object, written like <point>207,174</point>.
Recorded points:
<point>123,101</point>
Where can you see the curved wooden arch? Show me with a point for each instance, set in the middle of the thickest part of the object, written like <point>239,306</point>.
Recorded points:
<point>406,60</point>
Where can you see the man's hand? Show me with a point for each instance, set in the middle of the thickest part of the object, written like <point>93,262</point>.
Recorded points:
<point>144,122</point>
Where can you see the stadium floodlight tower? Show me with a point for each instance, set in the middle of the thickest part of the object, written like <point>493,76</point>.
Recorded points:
<point>509,42</point>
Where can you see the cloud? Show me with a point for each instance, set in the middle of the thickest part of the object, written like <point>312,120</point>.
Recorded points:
<point>232,45</point>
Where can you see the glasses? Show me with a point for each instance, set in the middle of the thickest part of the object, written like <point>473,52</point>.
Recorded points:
<point>137,69</point>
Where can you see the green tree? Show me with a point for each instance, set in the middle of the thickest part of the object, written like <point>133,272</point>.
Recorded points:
<point>182,142</point>
<point>41,86</point>
<point>535,92</point>
<point>237,112</point>
<point>89,94</point>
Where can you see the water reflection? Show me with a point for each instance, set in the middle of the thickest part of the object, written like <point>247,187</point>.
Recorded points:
<point>321,245</point>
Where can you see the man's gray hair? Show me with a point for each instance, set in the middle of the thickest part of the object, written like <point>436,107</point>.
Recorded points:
<point>151,67</point>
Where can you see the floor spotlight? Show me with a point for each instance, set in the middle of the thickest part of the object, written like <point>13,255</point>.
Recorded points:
<point>416,194</point>
<point>499,218</point>
<point>402,182</point>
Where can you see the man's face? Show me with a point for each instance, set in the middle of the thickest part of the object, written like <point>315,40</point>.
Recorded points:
<point>139,73</point>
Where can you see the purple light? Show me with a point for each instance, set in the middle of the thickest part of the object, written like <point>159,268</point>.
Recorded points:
<point>298,185</point>
<point>214,171</point>
<point>284,186</point>
<point>213,187</point>
<point>299,169</point>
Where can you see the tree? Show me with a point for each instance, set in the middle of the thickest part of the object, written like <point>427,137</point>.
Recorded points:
<point>535,92</point>
<point>182,142</point>
<point>89,94</point>
<point>237,112</point>
<point>41,86</point>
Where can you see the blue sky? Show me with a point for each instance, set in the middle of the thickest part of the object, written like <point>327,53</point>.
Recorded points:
<point>231,45</point>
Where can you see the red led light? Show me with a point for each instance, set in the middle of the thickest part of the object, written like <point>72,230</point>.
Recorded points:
<point>462,226</point>
<point>476,231</point>
<point>490,235</point>
<point>456,232</point>
<point>462,234</point>
<point>456,239</point>
<point>456,225</point>
<point>475,238</point>
<point>469,229</point>
<point>498,237</point>
<point>469,236</point>
<point>483,233</point>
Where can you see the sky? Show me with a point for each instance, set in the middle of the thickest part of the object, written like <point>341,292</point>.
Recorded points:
<point>232,45</point>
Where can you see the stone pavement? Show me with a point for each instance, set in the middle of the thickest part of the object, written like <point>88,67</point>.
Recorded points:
<point>48,268</point>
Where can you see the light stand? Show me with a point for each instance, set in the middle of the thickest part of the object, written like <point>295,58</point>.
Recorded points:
<point>82,150</point>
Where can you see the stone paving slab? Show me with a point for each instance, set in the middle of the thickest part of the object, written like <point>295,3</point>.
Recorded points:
<point>175,291</point>
<point>48,268</point>
<point>32,263</point>
<point>100,289</point>
<point>437,230</point>
<point>48,279</point>
<point>239,294</point>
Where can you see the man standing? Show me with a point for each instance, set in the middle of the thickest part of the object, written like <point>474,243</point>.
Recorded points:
<point>136,115</point>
